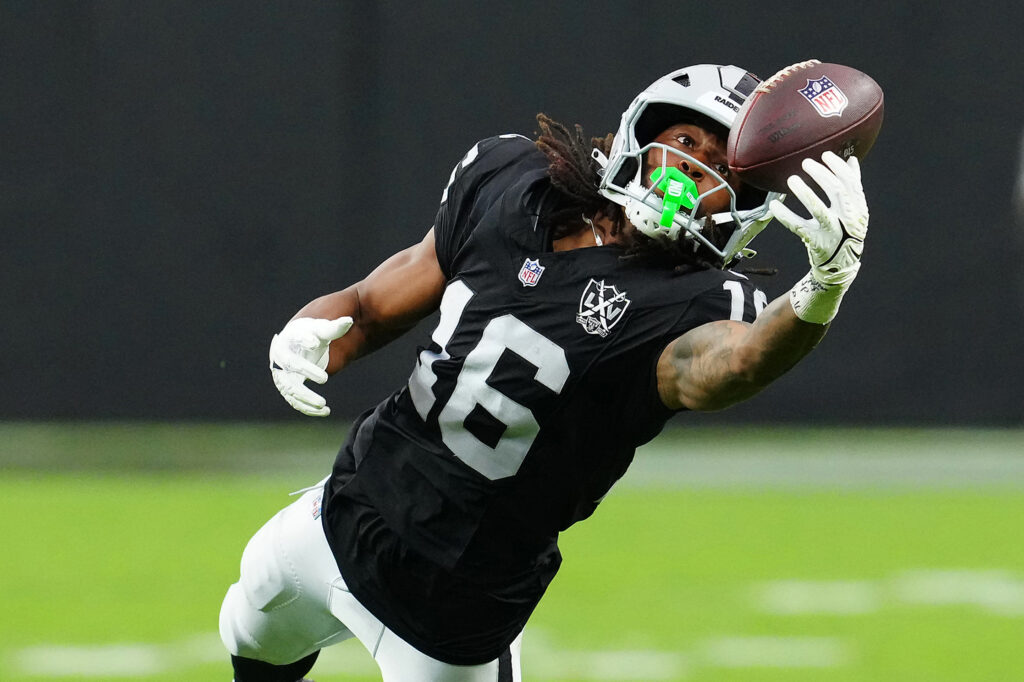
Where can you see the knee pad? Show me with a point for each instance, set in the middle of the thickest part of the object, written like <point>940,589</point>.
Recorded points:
<point>236,637</point>
<point>268,578</point>
<point>250,670</point>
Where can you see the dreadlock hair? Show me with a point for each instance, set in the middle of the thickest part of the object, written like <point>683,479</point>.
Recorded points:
<point>687,255</point>
<point>573,172</point>
<point>682,255</point>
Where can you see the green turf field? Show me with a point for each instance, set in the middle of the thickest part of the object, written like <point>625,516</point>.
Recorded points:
<point>723,556</point>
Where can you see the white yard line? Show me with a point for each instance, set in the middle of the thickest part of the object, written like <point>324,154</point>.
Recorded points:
<point>112,661</point>
<point>998,592</point>
<point>621,666</point>
<point>995,591</point>
<point>658,466</point>
<point>815,597</point>
<point>104,661</point>
<point>133,660</point>
<point>777,652</point>
<point>543,659</point>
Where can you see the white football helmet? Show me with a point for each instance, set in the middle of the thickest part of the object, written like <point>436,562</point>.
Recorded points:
<point>705,93</point>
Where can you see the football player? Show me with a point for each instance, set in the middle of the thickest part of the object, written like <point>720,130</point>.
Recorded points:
<point>587,292</point>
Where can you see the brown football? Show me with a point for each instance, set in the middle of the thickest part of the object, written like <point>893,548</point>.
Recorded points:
<point>803,111</point>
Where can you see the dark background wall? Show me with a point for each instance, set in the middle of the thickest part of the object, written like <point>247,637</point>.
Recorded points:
<point>177,178</point>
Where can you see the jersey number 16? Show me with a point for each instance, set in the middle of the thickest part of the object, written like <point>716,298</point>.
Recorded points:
<point>505,332</point>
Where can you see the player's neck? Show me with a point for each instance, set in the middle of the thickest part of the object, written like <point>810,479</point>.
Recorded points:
<point>595,232</point>
<point>577,240</point>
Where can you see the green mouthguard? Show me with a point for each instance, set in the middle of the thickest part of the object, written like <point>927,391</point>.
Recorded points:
<point>679,190</point>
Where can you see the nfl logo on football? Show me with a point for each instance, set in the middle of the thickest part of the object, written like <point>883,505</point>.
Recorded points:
<point>825,96</point>
<point>530,273</point>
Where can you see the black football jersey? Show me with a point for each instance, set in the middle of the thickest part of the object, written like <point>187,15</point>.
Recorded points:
<point>539,382</point>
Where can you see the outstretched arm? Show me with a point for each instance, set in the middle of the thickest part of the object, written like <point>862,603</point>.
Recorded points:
<point>399,292</point>
<point>722,363</point>
<point>333,330</point>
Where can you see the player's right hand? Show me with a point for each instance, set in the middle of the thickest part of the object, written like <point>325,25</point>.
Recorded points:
<point>300,351</point>
<point>834,235</point>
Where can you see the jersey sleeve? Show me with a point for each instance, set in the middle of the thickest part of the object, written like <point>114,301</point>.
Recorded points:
<point>733,298</point>
<point>474,187</point>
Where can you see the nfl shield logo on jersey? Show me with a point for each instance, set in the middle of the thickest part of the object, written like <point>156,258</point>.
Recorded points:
<point>825,96</point>
<point>530,273</point>
<point>601,307</point>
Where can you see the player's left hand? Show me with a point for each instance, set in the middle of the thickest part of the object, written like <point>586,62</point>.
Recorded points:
<point>834,235</point>
<point>301,351</point>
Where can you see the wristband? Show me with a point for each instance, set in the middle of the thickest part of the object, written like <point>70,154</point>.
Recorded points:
<point>815,302</point>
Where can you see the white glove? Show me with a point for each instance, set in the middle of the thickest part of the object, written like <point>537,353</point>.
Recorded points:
<point>301,351</point>
<point>834,235</point>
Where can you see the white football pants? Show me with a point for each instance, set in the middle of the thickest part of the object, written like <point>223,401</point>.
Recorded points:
<point>290,600</point>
